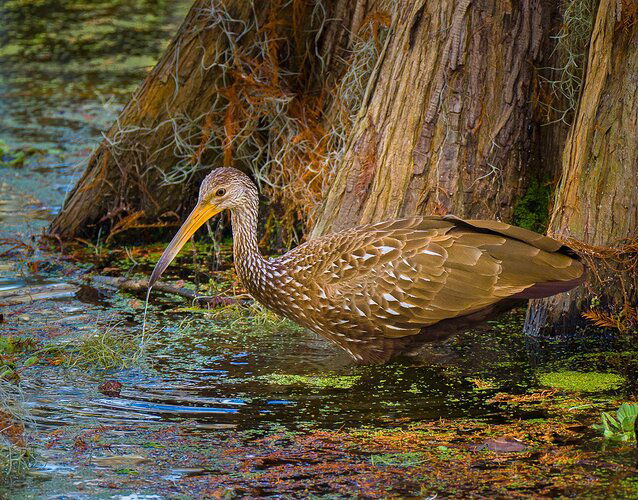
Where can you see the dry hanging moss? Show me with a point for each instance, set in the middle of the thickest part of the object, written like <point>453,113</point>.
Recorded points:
<point>276,114</point>
<point>626,15</point>
<point>278,109</point>
<point>560,91</point>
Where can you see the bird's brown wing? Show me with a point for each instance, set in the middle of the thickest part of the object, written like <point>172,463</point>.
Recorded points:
<point>408,274</point>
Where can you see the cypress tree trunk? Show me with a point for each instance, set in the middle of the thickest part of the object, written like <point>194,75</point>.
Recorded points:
<point>240,82</point>
<point>122,182</point>
<point>430,115</point>
<point>596,205</point>
<point>447,123</point>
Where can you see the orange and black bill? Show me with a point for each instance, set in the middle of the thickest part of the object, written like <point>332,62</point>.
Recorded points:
<point>199,215</point>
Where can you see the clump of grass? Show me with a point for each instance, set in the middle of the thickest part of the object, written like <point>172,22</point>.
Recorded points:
<point>108,349</point>
<point>14,461</point>
<point>15,454</point>
<point>238,316</point>
<point>581,381</point>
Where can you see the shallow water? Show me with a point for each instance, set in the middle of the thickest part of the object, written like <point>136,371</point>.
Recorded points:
<point>66,68</point>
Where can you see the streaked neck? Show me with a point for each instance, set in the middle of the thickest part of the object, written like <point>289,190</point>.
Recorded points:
<point>249,263</point>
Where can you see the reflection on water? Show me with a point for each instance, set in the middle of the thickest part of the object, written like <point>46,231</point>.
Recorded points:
<point>205,373</point>
<point>66,69</point>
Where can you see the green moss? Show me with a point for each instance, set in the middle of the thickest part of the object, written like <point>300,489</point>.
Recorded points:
<point>531,210</point>
<point>581,381</point>
<point>10,50</point>
<point>321,381</point>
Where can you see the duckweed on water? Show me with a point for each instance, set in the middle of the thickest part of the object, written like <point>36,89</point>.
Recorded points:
<point>581,381</point>
<point>397,459</point>
<point>320,381</point>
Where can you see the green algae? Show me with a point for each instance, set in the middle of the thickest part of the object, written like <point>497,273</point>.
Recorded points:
<point>319,381</point>
<point>581,381</point>
<point>409,459</point>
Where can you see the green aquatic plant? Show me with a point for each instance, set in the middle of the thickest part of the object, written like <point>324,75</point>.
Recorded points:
<point>581,381</point>
<point>408,459</point>
<point>14,461</point>
<point>14,356</point>
<point>620,426</point>
<point>321,381</point>
<point>15,157</point>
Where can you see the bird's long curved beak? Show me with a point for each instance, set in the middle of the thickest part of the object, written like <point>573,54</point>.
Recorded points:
<point>200,214</point>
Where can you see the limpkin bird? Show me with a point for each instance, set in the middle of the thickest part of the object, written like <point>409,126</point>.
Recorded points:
<point>384,289</point>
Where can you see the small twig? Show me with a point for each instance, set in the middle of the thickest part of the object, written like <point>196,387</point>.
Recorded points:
<point>132,285</point>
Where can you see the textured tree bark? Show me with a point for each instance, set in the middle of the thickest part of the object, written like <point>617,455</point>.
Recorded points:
<point>447,123</point>
<point>597,199</point>
<point>174,118</point>
<point>123,176</point>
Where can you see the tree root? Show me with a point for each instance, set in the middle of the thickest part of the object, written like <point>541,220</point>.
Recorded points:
<point>132,285</point>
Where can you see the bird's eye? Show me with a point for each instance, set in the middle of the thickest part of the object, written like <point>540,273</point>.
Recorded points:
<point>220,192</point>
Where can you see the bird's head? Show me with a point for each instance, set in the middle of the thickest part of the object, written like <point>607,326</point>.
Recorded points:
<point>223,188</point>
